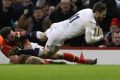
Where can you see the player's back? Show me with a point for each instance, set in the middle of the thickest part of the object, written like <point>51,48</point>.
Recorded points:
<point>74,26</point>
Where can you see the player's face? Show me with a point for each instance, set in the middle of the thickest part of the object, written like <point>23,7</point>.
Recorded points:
<point>22,32</point>
<point>101,15</point>
<point>11,36</point>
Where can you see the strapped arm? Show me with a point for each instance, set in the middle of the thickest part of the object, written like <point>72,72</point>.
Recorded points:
<point>93,33</point>
<point>34,34</point>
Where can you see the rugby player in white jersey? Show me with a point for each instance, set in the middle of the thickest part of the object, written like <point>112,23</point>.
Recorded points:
<point>83,22</point>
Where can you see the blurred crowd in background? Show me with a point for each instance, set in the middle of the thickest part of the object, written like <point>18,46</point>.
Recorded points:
<point>38,15</point>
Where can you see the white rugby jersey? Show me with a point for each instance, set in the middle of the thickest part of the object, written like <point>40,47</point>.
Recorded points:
<point>83,22</point>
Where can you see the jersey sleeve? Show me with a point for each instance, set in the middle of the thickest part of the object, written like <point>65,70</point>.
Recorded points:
<point>93,33</point>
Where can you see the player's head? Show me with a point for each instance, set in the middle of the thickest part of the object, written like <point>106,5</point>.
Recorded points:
<point>8,34</point>
<point>99,10</point>
<point>5,31</point>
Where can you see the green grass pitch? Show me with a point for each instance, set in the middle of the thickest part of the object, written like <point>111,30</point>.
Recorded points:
<point>59,72</point>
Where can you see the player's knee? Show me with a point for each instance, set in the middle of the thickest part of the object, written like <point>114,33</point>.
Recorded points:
<point>51,49</point>
<point>46,54</point>
<point>58,55</point>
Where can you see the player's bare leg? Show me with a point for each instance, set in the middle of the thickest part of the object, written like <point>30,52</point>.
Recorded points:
<point>36,60</point>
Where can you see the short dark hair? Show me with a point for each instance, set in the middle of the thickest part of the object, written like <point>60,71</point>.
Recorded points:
<point>5,31</point>
<point>99,6</point>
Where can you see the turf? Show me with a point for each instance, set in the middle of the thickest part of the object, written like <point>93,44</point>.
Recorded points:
<point>60,72</point>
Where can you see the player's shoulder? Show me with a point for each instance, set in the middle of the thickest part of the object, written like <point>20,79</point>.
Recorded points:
<point>87,10</point>
<point>91,22</point>
<point>87,14</point>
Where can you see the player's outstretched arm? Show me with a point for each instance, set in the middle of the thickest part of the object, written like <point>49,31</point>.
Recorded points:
<point>36,34</point>
<point>31,35</point>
